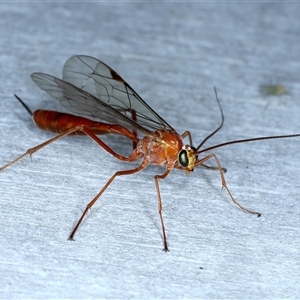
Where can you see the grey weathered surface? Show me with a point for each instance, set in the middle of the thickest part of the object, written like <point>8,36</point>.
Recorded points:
<point>172,54</point>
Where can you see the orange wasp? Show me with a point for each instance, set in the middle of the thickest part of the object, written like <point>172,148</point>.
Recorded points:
<point>92,89</point>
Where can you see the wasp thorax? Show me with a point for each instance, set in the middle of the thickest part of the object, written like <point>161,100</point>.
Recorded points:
<point>187,157</point>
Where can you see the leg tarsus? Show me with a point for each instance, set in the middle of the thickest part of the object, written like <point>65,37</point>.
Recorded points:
<point>160,207</point>
<point>143,165</point>
<point>224,185</point>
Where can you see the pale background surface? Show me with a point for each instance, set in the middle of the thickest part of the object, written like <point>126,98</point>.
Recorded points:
<point>172,54</point>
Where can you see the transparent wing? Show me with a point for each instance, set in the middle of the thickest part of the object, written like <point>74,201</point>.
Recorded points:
<point>81,102</point>
<point>91,88</point>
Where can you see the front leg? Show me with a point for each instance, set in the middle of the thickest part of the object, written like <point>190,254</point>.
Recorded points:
<point>160,207</point>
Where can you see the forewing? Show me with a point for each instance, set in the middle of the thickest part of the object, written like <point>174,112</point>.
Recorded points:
<point>82,102</point>
<point>96,78</point>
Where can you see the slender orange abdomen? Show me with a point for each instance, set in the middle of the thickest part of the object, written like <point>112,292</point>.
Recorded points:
<point>60,122</point>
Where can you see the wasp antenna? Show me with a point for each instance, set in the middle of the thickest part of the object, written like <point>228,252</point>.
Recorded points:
<point>26,107</point>
<point>250,140</point>
<point>220,126</point>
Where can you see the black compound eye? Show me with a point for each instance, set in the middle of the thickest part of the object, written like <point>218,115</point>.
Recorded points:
<point>183,158</point>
